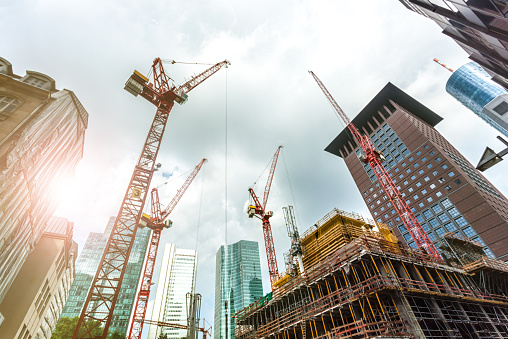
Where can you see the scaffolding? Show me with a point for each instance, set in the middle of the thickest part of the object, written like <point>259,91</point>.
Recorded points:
<point>372,287</point>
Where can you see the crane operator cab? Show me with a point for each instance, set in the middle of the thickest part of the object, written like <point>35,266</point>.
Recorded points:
<point>251,210</point>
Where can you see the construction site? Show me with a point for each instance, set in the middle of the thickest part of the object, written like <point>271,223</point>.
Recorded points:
<point>359,281</point>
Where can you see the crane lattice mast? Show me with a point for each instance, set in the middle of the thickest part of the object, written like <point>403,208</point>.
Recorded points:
<point>374,158</point>
<point>156,223</point>
<point>103,294</point>
<point>258,209</point>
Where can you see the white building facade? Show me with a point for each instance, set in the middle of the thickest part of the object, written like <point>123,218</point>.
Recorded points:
<point>177,278</point>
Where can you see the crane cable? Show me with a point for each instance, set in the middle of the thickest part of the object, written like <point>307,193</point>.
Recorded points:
<point>227,302</point>
<point>291,190</point>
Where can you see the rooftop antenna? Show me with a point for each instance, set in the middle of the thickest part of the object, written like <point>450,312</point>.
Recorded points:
<point>439,62</point>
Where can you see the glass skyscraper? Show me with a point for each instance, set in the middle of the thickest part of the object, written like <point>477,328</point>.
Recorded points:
<point>471,85</point>
<point>177,278</point>
<point>237,280</point>
<point>86,267</point>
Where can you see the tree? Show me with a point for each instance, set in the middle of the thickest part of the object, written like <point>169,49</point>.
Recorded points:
<point>116,335</point>
<point>65,328</point>
<point>163,336</point>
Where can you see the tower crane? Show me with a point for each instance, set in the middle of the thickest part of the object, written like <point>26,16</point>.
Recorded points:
<point>374,158</point>
<point>157,222</point>
<point>102,297</point>
<point>296,247</point>
<point>258,209</point>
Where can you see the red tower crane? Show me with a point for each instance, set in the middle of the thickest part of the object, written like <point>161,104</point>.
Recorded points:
<point>103,294</point>
<point>157,222</point>
<point>374,158</point>
<point>259,210</point>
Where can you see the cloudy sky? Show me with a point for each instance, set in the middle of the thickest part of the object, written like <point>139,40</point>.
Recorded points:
<point>264,99</point>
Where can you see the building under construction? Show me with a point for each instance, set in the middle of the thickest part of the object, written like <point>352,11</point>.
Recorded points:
<point>359,281</point>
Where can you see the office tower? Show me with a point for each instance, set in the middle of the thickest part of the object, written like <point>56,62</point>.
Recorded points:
<point>445,192</point>
<point>237,280</point>
<point>42,131</point>
<point>86,267</point>
<point>35,300</point>
<point>480,27</point>
<point>177,277</point>
<point>472,87</point>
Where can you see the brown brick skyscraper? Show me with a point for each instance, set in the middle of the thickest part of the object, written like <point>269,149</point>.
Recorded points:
<point>446,192</point>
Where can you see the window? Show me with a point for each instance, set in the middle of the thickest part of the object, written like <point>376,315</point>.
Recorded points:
<point>390,223</point>
<point>429,199</point>
<point>453,212</point>
<point>403,164</point>
<point>420,172</point>
<point>444,166</point>
<point>406,152</point>
<point>440,231</point>
<point>426,146</point>
<point>386,216</point>
<point>461,221</point>
<point>413,209</point>
<point>434,173</point>
<point>429,165</point>
<point>451,174</point>
<point>7,106</point>
<point>410,189</point>
<point>413,177</point>
<point>450,227</point>
<point>424,159</point>
<point>396,170</point>
<point>437,208</point>
<point>382,209</point>
<point>408,201</point>
<point>458,182</point>
<point>426,178</point>
<point>438,159</point>
<point>401,176</point>
<point>424,191</point>
<point>372,206</point>
<point>446,203</point>
<point>418,152</point>
<point>432,186</point>
<point>432,236</point>
<point>31,80</point>
<point>410,158</point>
<point>415,196</point>
<point>441,180</point>
<point>432,153</point>
<point>448,188</point>
<point>420,204</point>
<point>427,214</point>
<point>469,232</point>
<point>433,222</point>
<point>408,237</point>
<point>392,211</point>
<point>438,194</point>
<point>418,184</point>
<point>375,195</point>
<point>408,170</point>
<point>443,217</point>
<point>402,229</point>
<point>415,165</point>
<point>419,218</point>
<point>405,182</point>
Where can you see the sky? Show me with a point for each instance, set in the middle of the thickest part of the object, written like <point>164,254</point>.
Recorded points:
<point>238,117</point>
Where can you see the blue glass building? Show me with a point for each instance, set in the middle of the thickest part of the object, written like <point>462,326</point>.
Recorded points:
<point>86,267</point>
<point>238,280</point>
<point>471,85</point>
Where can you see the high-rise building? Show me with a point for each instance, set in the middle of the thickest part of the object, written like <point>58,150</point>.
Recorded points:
<point>86,267</point>
<point>42,131</point>
<point>35,300</point>
<point>480,27</point>
<point>177,278</point>
<point>238,281</point>
<point>445,192</point>
<point>472,87</point>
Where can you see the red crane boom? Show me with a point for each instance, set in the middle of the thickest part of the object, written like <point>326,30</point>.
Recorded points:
<point>157,224</point>
<point>373,157</point>
<point>103,295</point>
<point>258,209</point>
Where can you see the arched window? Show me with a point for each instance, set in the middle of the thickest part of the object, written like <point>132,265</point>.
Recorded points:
<point>7,106</point>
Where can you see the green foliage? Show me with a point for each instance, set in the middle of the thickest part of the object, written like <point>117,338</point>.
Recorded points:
<point>116,335</point>
<point>65,328</point>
